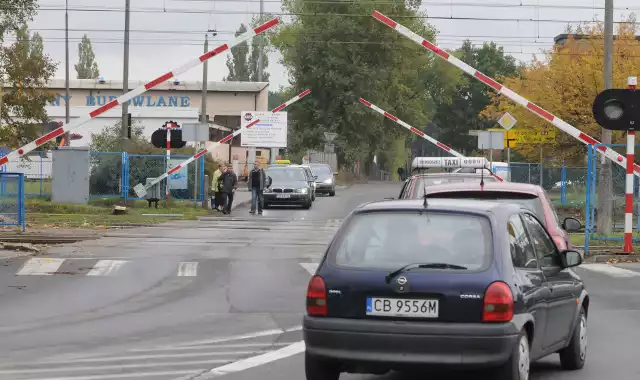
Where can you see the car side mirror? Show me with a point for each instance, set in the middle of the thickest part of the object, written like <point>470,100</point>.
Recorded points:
<point>571,225</point>
<point>571,258</point>
<point>335,174</point>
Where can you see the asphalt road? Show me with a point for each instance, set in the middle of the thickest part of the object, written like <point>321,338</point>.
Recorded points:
<point>225,296</point>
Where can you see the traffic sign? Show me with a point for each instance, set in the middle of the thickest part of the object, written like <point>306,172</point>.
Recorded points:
<point>330,136</point>
<point>507,121</point>
<point>524,136</point>
<point>509,136</point>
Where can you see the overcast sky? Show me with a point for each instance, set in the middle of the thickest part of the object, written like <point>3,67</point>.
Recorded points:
<point>162,41</point>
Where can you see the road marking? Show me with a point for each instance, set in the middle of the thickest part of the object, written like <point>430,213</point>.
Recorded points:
<point>209,347</point>
<point>106,267</point>
<point>310,267</point>
<point>159,356</point>
<point>259,360</point>
<point>40,267</point>
<point>258,334</point>
<point>610,270</point>
<point>129,375</point>
<point>108,367</point>
<point>188,269</point>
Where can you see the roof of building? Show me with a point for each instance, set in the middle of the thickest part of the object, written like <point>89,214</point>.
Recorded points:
<point>93,84</point>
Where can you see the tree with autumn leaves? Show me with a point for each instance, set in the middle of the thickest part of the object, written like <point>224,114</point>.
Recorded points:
<point>565,82</point>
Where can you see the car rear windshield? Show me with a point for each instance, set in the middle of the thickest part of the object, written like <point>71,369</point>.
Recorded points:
<point>430,181</point>
<point>530,201</point>
<point>389,240</point>
<point>322,171</point>
<point>286,174</point>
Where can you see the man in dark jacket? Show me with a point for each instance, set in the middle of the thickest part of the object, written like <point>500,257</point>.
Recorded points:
<point>228,185</point>
<point>257,181</point>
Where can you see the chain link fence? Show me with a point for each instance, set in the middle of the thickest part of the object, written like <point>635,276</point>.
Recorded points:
<point>12,207</point>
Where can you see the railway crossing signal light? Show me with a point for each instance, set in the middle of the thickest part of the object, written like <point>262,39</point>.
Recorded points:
<point>617,109</point>
<point>159,136</point>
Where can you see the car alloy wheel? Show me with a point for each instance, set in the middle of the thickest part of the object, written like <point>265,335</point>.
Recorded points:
<point>524,362</point>
<point>583,337</point>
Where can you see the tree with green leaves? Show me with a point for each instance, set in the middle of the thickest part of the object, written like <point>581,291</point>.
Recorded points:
<point>14,14</point>
<point>27,69</point>
<point>237,61</point>
<point>243,61</point>
<point>457,117</point>
<point>87,67</point>
<point>343,58</point>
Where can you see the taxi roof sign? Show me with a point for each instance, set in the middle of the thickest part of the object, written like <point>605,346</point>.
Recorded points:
<point>283,162</point>
<point>449,162</point>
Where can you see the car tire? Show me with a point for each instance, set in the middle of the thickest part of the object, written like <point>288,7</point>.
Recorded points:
<point>517,367</point>
<point>318,369</point>
<point>574,355</point>
<point>313,197</point>
<point>333,193</point>
<point>308,205</point>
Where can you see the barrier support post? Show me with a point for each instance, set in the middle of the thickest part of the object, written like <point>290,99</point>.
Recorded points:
<point>628,207</point>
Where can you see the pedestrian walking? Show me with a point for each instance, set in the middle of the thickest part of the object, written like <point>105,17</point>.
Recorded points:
<point>217,201</point>
<point>257,181</point>
<point>228,186</point>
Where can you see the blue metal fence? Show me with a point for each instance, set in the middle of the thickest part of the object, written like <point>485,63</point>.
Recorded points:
<point>618,184</point>
<point>12,208</point>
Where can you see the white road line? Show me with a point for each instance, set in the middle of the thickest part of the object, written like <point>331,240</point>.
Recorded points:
<point>610,270</point>
<point>108,367</point>
<point>128,375</point>
<point>209,347</point>
<point>259,360</point>
<point>158,356</point>
<point>189,269</point>
<point>40,267</point>
<point>310,267</point>
<point>258,334</point>
<point>106,267</point>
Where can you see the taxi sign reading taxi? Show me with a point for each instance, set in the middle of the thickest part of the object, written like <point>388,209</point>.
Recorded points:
<point>507,121</point>
<point>449,162</point>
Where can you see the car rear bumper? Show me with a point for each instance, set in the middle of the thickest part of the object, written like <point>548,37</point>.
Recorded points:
<point>398,344</point>
<point>295,198</point>
<point>325,188</point>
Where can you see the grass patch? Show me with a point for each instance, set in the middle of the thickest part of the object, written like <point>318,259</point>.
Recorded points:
<point>98,213</point>
<point>578,239</point>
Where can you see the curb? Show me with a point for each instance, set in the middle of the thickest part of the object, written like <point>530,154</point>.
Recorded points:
<point>607,258</point>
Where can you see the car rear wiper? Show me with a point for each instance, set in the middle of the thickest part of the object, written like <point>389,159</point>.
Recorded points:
<point>408,267</point>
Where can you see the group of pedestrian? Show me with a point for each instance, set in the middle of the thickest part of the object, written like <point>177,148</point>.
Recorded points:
<point>224,185</point>
<point>225,182</point>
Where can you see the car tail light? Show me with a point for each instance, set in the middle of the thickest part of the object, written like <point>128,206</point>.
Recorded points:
<point>498,303</point>
<point>560,243</point>
<point>317,297</point>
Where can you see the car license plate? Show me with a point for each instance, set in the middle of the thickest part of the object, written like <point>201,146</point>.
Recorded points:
<point>400,307</point>
<point>283,196</point>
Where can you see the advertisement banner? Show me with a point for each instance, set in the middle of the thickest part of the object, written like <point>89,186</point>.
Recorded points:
<point>180,179</point>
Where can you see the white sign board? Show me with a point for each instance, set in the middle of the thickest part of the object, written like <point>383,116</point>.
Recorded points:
<point>180,179</point>
<point>270,132</point>
<point>490,140</point>
<point>197,132</point>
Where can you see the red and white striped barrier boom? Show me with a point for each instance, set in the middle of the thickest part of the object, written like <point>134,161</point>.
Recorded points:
<point>540,112</point>
<point>135,92</point>
<point>632,82</point>
<point>141,190</point>
<point>418,132</point>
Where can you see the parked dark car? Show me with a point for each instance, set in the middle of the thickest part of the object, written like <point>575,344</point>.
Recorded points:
<point>533,197</point>
<point>288,186</point>
<point>473,285</point>
<point>326,182</point>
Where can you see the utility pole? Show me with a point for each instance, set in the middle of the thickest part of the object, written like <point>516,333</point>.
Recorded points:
<point>203,105</point>
<point>66,78</point>
<point>605,186</point>
<point>125,77</point>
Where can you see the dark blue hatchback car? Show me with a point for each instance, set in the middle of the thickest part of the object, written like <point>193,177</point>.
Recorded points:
<point>455,283</point>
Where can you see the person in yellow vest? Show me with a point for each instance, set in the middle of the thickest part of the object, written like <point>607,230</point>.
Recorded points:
<point>217,202</point>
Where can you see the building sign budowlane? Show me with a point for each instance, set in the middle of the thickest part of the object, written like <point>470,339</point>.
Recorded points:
<point>138,101</point>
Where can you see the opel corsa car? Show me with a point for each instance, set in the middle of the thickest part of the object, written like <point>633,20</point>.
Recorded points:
<point>457,283</point>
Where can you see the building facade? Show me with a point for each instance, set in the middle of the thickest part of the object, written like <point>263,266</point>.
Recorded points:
<point>170,101</point>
